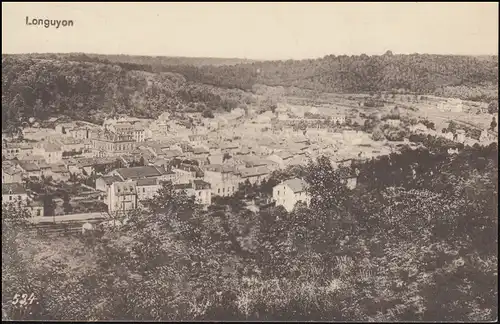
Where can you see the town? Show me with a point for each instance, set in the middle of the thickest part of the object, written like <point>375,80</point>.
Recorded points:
<point>95,171</point>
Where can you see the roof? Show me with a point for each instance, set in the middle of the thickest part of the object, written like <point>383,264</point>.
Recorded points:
<point>296,185</point>
<point>215,159</point>
<point>200,150</point>
<point>252,172</point>
<point>58,168</point>
<point>171,153</point>
<point>183,186</point>
<point>28,166</point>
<point>147,182</point>
<point>138,172</point>
<point>13,189</point>
<point>125,188</point>
<point>52,147</point>
<point>200,184</point>
<point>284,154</point>
<point>111,179</point>
<point>219,168</point>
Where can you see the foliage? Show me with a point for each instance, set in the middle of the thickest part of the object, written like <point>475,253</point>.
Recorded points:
<point>416,240</point>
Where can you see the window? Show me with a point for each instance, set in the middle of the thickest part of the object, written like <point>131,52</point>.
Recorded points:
<point>38,212</point>
<point>199,193</point>
<point>278,192</point>
<point>19,197</point>
<point>10,197</point>
<point>218,191</point>
<point>143,189</point>
<point>223,190</point>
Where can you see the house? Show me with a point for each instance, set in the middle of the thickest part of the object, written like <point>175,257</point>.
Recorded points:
<point>199,189</point>
<point>338,119</point>
<point>29,169</point>
<point>103,183</point>
<point>11,175</point>
<point>17,150</point>
<point>147,188</point>
<point>122,196</point>
<point>107,143</point>
<point>223,179</point>
<point>198,139</point>
<point>289,192</point>
<point>254,175</point>
<point>460,136</point>
<point>281,158</point>
<point>140,172</point>
<point>51,152</point>
<point>16,194</point>
<point>59,172</point>
<point>215,159</point>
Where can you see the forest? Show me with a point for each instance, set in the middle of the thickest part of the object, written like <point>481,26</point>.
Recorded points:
<point>91,91</point>
<point>93,86</point>
<point>416,240</point>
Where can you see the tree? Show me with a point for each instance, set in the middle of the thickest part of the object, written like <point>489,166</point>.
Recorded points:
<point>378,134</point>
<point>208,114</point>
<point>49,205</point>
<point>493,124</point>
<point>66,203</point>
<point>493,107</point>
<point>452,126</point>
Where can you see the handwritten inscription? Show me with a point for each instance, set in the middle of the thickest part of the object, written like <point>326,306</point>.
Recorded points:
<point>48,22</point>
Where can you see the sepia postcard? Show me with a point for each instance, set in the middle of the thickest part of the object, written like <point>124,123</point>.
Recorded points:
<point>238,161</point>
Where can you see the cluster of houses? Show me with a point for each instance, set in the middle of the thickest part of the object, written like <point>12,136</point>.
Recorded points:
<point>131,157</point>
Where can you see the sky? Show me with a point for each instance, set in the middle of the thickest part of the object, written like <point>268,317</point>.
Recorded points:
<point>254,30</point>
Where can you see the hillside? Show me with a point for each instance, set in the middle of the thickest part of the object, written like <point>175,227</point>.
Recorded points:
<point>137,59</point>
<point>90,85</point>
<point>466,77</point>
<point>88,90</point>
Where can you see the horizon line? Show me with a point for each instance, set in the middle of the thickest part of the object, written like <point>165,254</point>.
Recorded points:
<point>241,58</point>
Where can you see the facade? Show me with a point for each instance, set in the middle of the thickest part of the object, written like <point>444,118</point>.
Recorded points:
<point>289,192</point>
<point>107,143</point>
<point>223,180</point>
<point>122,196</point>
<point>254,175</point>
<point>51,152</point>
<point>147,188</point>
<point>199,189</point>
<point>16,195</point>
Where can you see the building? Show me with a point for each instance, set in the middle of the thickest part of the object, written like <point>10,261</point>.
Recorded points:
<point>199,189</point>
<point>223,179</point>
<point>107,143</point>
<point>17,150</point>
<point>147,188</point>
<point>51,152</point>
<point>142,172</point>
<point>122,196</point>
<point>11,175</point>
<point>16,195</point>
<point>103,183</point>
<point>198,139</point>
<point>289,192</point>
<point>254,175</point>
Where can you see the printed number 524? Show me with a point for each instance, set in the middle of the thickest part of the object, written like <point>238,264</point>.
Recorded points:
<point>23,299</point>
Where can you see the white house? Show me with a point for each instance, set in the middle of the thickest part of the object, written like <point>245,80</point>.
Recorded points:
<point>122,196</point>
<point>289,192</point>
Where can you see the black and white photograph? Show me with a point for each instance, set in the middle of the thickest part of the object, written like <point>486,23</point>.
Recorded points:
<point>250,161</point>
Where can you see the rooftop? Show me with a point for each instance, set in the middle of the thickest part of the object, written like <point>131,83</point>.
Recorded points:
<point>296,185</point>
<point>138,172</point>
<point>147,182</point>
<point>13,189</point>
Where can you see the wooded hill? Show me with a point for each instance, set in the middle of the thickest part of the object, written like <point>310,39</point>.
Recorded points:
<point>89,85</point>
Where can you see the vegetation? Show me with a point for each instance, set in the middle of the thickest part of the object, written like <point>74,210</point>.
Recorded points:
<point>90,91</point>
<point>92,86</point>
<point>416,240</point>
